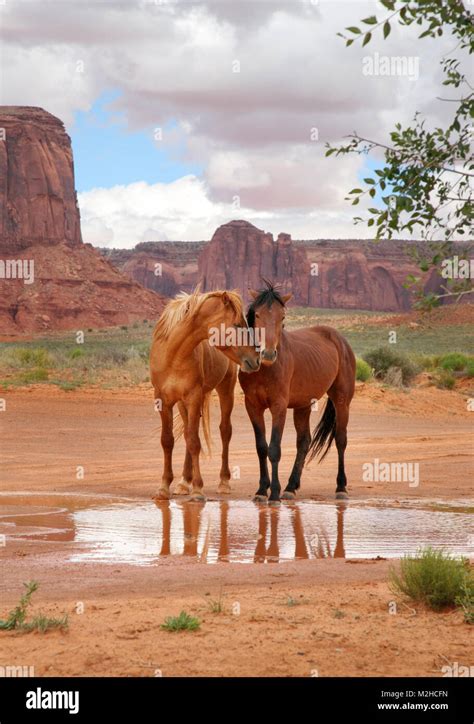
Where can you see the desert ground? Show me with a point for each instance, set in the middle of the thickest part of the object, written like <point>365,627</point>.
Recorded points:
<point>326,615</point>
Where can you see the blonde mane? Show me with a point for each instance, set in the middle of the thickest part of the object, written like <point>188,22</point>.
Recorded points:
<point>185,306</point>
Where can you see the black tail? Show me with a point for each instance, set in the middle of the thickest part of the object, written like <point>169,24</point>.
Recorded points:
<point>323,434</point>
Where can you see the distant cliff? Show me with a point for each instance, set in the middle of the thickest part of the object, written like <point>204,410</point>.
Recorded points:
<point>69,285</point>
<point>327,273</point>
<point>167,267</point>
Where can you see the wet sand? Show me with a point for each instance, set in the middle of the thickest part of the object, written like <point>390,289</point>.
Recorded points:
<point>325,614</point>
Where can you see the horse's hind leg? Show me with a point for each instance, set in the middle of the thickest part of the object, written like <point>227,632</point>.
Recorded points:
<point>184,485</point>
<point>193,443</point>
<point>303,439</point>
<point>341,403</point>
<point>225,390</point>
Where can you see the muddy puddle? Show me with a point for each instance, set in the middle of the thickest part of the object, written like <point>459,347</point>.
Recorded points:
<point>104,529</point>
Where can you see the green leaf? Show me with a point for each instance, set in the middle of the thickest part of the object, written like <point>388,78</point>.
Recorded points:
<point>386,29</point>
<point>371,222</point>
<point>349,42</point>
<point>353,29</point>
<point>372,20</point>
<point>367,38</point>
<point>356,191</point>
<point>369,181</point>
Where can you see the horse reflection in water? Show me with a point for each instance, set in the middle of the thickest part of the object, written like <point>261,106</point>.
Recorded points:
<point>235,546</point>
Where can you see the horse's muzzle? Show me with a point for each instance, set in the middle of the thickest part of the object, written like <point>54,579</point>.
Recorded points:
<point>250,365</point>
<point>268,356</point>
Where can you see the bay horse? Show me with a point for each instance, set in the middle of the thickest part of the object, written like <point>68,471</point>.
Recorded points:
<point>297,368</point>
<point>185,368</point>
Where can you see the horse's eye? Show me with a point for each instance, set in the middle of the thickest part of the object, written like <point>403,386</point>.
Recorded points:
<point>257,316</point>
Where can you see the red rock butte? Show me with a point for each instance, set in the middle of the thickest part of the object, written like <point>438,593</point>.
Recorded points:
<point>327,273</point>
<point>72,285</point>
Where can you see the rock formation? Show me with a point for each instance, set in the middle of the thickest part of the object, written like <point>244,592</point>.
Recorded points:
<point>167,267</point>
<point>37,194</point>
<point>72,285</point>
<point>335,273</point>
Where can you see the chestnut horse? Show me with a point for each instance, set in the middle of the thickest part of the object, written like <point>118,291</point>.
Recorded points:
<point>297,368</point>
<point>185,368</point>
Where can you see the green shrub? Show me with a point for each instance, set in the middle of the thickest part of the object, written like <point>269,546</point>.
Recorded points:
<point>427,362</point>
<point>183,622</point>
<point>445,380</point>
<point>76,352</point>
<point>465,600</point>
<point>36,375</point>
<point>453,362</point>
<point>470,368</point>
<point>432,577</point>
<point>17,617</point>
<point>34,357</point>
<point>363,370</point>
<point>384,358</point>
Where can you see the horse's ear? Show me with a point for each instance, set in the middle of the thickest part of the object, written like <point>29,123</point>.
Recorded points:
<point>286,297</point>
<point>253,293</point>
<point>225,298</point>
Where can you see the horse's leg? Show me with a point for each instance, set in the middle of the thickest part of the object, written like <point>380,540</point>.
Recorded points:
<point>301,417</point>
<point>225,390</point>
<point>258,423</point>
<point>193,443</point>
<point>184,485</point>
<point>167,443</point>
<point>341,403</point>
<point>274,449</point>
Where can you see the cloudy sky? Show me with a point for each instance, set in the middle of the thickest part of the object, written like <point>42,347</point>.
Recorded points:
<point>184,115</point>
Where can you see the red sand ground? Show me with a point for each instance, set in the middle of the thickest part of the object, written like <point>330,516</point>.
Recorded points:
<point>340,624</point>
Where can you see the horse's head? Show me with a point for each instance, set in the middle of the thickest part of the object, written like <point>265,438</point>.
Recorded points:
<point>266,316</point>
<point>228,329</point>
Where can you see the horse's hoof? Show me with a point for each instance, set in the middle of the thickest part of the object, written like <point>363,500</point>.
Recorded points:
<point>260,498</point>
<point>288,495</point>
<point>224,488</point>
<point>198,498</point>
<point>163,494</point>
<point>274,503</point>
<point>182,488</point>
<point>342,495</point>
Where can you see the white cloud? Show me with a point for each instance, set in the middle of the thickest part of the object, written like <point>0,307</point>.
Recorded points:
<point>122,216</point>
<point>178,210</point>
<point>250,130</point>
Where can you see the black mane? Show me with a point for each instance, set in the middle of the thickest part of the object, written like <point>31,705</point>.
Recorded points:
<point>265,296</point>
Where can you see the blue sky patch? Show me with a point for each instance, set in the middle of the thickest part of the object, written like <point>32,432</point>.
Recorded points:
<point>107,154</point>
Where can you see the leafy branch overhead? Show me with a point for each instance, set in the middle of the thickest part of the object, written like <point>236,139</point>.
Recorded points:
<point>425,185</point>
